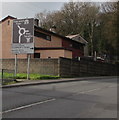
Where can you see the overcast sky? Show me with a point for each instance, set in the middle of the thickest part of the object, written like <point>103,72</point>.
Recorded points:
<point>20,9</point>
<point>28,9</point>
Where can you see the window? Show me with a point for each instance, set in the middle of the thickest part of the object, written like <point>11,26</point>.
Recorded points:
<point>42,35</point>
<point>36,55</point>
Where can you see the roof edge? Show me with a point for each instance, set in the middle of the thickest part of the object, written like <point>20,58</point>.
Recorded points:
<point>7,17</point>
<point>56,34</point>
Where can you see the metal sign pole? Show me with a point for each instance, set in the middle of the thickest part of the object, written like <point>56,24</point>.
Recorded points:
<point>95,56</point>
<point>15,65</point>
<point>28,67</point>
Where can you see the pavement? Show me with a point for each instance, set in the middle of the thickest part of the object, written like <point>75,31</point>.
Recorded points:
<point>24,82</point>
<point>89,97</point>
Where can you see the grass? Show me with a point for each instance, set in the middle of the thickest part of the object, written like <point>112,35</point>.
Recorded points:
<point>31,76</point>
<point>8,83</point>
<point>41,77</point>
<point>7,75</point>
<point>10,76</point>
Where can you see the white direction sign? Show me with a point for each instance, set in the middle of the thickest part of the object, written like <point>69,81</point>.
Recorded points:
<point>23,36</point>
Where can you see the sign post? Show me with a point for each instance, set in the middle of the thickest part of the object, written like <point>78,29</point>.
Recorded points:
<point>23,39</point>
<point>95,56</point>
<point>28,66</point>
<point>15,65</point>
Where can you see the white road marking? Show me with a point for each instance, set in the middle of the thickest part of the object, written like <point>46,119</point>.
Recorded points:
<point>87,91</point>
<point>38,103</point>
<point>90,90</point>
<point>82,92</point>
<point>112,86</point>
<point>26,106</point>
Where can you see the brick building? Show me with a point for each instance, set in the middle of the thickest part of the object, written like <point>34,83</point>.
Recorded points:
<point>48,44</point>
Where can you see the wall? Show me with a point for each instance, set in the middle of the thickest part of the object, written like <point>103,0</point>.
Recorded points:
<point>63,67</point>
<point>76,52</point>
<point>55,42</point>
<point>55,53</point>
<point>0,40</point>
<point>67,54</point>
<point>6,39</point>
<point>41,66</point>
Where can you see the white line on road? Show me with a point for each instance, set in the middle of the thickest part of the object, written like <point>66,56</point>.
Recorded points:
<point>26,106</point>
<point>90,90</point>
<point>82,92</point>
<point>48,100</point>
<point>113,86</point>
<point>96,89</point>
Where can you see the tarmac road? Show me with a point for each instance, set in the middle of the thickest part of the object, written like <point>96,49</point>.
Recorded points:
<point>80,99</point>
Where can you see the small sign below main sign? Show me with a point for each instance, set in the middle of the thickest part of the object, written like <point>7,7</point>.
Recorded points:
<point>23,48</point>
<point>23,36</point>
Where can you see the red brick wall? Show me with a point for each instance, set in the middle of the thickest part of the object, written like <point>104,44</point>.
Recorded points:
<point>75,52</point>
<point>55,41</point>
<point>55,53</point>
<point>66,43</point>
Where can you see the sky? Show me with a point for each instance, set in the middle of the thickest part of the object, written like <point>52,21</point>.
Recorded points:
<point>28,8</point>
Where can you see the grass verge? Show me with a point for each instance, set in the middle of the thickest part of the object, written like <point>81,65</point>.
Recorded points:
<point>9,77</point>
<point>31,76</point>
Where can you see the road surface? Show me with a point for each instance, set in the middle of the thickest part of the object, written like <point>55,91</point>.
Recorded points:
<point>80,99</point>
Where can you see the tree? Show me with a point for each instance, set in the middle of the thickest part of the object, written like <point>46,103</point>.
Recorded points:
<point>97,23</point>
<point>73,18</point>
<point>109,28</point>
